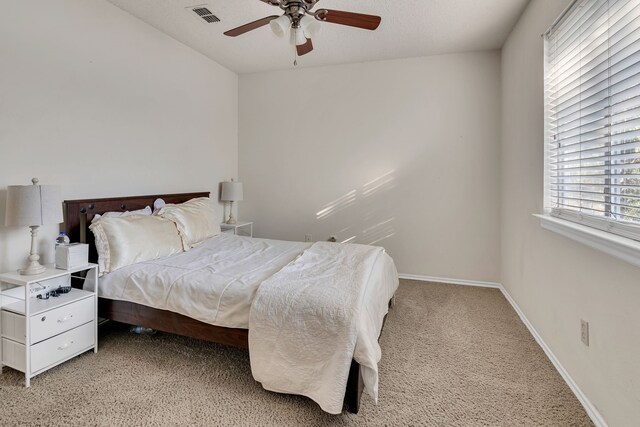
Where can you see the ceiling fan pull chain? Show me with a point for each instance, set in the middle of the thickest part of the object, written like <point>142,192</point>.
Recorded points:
<point>295,57</point>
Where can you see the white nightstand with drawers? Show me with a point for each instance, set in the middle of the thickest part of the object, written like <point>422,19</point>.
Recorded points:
<point>38,334</point>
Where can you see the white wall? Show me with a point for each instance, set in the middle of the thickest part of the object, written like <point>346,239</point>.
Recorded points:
<point>403,154</point>
<point>96,101</point>
<point>554,280</point>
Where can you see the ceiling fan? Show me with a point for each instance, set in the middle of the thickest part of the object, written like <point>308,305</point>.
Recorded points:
<point>304,22</point>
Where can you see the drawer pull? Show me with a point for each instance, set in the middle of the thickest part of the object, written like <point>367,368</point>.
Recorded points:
<point>65,345</point>
<point>65,318</point>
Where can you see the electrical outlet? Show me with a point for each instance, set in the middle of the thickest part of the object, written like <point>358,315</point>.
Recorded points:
<point>307,237</point>
<point>584,332</point>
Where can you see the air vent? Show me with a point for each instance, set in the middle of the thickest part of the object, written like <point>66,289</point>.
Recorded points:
<point>204,13</point>
<point>211,18</point>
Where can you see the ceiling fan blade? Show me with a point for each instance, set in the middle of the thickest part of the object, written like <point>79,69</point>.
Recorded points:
<point>250,26</point>
<point>303,49</point>
<point>359,20</point>
<point>271,2</point>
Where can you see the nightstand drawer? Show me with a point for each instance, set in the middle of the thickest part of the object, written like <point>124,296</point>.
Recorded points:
<point>62,347</point>
<point>50,352</point>
<point>61,319</point>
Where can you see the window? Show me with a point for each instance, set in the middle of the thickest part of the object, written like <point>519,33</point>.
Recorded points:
<point>592,116</point>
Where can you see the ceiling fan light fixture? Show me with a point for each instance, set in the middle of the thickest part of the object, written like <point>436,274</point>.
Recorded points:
<point>280,25</point>
<point>300,37</point>
<point>310,26</point>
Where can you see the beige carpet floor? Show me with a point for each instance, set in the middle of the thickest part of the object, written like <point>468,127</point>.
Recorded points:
<point>452,356</point>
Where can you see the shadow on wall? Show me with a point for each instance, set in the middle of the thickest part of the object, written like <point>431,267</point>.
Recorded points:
<point>365,206</point>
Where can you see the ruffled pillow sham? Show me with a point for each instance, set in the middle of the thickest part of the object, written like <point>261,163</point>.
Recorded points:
<point>121,241</point>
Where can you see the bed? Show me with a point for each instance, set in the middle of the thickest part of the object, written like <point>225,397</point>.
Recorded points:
<point>254,261</point>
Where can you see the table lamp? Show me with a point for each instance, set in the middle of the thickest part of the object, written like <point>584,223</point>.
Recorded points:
<point>33,206</point>
<point>231,192</point>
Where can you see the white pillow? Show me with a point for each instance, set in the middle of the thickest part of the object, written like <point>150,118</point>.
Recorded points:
<point>145,211</point>
<point>121,241</point>
<point>196,220</point>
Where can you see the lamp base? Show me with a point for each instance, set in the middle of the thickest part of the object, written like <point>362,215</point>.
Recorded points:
<point>33,268</point>
<point>232,219</point>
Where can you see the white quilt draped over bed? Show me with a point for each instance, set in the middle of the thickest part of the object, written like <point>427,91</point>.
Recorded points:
<point>304,324</point>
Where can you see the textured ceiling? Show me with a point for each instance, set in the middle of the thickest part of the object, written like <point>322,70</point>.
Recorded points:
<point>409,28</point>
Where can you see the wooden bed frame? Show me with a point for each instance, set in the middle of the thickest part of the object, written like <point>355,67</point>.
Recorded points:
<point>78,216</point>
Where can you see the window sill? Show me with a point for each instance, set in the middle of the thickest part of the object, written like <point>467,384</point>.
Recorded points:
<point>620,247</point>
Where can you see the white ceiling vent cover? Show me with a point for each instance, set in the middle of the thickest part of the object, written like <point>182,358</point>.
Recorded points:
<point>204,13</point>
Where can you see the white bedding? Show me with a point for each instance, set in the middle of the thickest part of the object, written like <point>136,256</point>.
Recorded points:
<point>306,326</point>
<point>216,283</point>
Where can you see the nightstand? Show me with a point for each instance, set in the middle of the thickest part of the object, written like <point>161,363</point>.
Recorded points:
<point>239,229</point>
<point>38,334</point>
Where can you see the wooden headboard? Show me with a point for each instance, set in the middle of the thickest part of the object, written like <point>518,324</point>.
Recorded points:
<point>79,213</point>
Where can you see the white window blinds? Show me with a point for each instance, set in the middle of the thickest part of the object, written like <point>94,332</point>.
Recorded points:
<point>592,113</point>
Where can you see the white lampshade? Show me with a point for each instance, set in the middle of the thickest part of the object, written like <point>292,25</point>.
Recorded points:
<point>299,39</point>
<point>310,26</point>
<point>231,191</point>
<point>32,205</point>
<point>280,25</point>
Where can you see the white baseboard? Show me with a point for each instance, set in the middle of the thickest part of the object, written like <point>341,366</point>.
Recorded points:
<point>450,281</point>
<point>593,413</point>
<point>586,403</point>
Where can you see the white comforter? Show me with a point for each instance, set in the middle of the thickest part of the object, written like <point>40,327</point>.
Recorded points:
<point>214,282</point>
<point>217,283</point>
<point>306,325</point>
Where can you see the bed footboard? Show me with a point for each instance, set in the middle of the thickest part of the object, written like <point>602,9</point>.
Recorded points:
<point>355,387</point>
